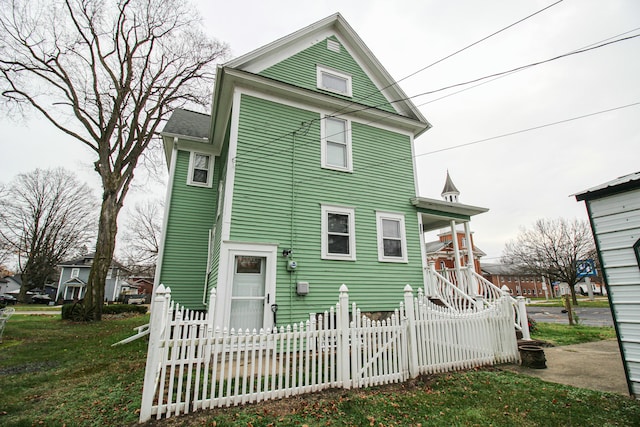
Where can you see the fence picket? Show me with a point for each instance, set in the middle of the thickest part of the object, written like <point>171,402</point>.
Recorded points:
<point>199,366</point>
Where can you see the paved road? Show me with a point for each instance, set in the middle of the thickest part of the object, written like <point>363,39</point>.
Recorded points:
<point>588,316</point>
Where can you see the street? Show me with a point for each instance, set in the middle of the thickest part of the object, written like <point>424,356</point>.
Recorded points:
<point>589,316</point>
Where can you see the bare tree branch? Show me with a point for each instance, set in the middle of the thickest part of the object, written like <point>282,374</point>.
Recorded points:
<point>107,73</point>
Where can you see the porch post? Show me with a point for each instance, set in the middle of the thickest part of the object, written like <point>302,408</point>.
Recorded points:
<point>456,252</point>
<point>467,235</point>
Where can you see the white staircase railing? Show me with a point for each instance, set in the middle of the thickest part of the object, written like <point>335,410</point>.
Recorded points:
<point>450,288</point>
<point>448,293</point>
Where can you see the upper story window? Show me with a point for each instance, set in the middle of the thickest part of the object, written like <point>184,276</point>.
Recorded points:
<point>333,81</point>
<point>392,243</point>
<point>338,233</point>
<point>75,272</point>
<point>200,169</point>
<point>110,273</point>
<point>336,144</point>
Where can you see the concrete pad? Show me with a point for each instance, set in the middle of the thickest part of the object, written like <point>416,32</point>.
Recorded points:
<point>596,365</point>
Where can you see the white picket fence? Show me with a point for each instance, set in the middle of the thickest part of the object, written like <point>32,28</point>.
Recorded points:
<point>192,365</point>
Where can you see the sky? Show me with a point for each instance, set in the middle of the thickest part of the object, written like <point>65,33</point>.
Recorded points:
<point>520,178</point>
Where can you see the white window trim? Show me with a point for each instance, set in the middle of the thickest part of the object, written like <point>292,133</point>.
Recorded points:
<point>320,69</point>
<point>190,180</point>
<point>76,271</point>
<point>342,210</point>
<point>403,236</point>
<point>323,139</point>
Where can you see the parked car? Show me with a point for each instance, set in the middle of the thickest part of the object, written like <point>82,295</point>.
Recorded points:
<point>6,299</point>
<point>41,299</point>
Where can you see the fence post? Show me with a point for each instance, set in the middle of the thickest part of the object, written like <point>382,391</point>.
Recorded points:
<point>524,319</point>
<point>157,322</point>
<point>211,312</point>
<point>412,342</point>
<point>344,367</point>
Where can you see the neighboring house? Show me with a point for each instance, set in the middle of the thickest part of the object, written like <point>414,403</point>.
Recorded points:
<point>139,285</point>
<point>519,284</point>
<point>614,214</point>
<point>74,275</point>
<point>442,251</point>
<point>302,179</point>
<point>11,284</point>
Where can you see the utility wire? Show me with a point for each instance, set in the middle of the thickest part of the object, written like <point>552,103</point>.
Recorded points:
<point>522,67</point>
<point>479,141</point>
<point>482,81</point>
<point>395,83</point>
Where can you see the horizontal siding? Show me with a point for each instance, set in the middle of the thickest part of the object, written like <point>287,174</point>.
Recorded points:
<point>300,70</point>
<point>616,224</point>
<point>274,193</point>
<point>611,205</point>
<point>621,221</point>
<point>191,214</point>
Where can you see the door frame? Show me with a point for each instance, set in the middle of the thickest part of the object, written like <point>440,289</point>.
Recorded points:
<point>228,253</point>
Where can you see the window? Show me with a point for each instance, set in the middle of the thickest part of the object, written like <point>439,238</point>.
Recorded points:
<point>75,272</point>
<point>392,245</point>
<point>109,273</point>
<point>336,144</point>
<point>333,81</point>
<point>200,169</point>
<point>338,233</point>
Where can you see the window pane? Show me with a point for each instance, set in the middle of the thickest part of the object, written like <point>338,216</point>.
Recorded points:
<point>247,314</point>
<point>335,83</point>
<point>336,154</point>
<point>338,244</point>
<point>336,130</point>
<point>392,248</point>
<point>390,228</point>
<point>338,223</point>
<point>248,264</point>
<point>201,162</point>
<point>200,175</point>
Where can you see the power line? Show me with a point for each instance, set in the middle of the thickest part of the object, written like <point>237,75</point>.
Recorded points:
<point>482,81</point>
<point>479,141</point>
<point>395,83</point>
<point>499,74</point>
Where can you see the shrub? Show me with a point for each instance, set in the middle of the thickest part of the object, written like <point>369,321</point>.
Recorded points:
<point>533,327</point>
<point>123,308</point>
<point>77,311</point>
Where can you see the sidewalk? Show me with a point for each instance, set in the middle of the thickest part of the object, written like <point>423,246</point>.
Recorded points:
<point>596,365</point>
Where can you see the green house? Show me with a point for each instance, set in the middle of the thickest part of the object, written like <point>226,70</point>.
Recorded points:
<point>302,179</point>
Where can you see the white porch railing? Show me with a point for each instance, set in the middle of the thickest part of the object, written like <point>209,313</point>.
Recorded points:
<point>191,365</point>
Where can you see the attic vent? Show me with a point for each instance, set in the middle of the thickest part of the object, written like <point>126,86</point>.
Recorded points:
<point>333,45</point>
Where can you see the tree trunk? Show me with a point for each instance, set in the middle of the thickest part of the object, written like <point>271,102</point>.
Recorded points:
<point>105,247</point>
<point>574,298</point>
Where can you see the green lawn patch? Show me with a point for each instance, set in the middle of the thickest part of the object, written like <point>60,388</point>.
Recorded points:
<point>559,334</point>
<point>55,372</point>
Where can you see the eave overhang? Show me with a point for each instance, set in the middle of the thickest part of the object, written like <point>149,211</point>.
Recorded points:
<point>228,79</point>
<point>439,214</point>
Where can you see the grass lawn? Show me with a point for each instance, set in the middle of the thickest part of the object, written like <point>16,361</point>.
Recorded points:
<point>560,334</point>
<point>55,373</point>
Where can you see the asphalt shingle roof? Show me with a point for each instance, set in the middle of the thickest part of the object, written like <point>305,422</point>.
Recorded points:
<point>188,123</point>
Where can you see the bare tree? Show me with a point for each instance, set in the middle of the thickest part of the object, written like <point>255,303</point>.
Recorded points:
<point>107,73</point>
<point>47,216</point>
<point>141,236</point>
<point>551,248</point>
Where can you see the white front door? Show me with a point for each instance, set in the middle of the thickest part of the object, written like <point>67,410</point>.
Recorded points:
<point>249,298</point>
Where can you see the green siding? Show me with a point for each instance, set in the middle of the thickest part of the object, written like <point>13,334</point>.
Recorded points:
<point>191,213</point>
<point>300,70</point>
<point>273,191</point>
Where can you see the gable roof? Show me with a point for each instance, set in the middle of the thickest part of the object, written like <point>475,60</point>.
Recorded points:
<point>243,71</point>
<point>87,261</point>
<point>333,25</point>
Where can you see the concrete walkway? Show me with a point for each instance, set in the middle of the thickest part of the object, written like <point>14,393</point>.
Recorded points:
<point>596,365</point>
